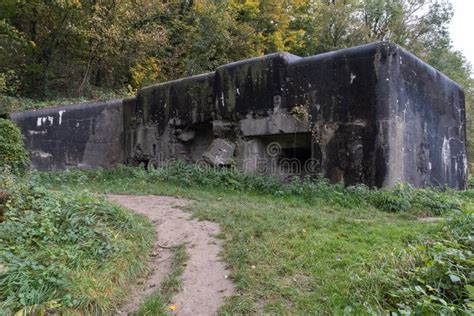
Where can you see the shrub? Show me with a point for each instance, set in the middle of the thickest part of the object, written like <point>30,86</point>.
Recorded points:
<point>404,198</point>
<point>392,200</point>
<point>12,151</point>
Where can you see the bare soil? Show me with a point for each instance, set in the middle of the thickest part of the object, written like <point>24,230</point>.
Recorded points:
<point>205,282</point>
<point>430,219</point>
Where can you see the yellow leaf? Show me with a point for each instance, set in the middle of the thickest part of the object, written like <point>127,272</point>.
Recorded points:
<point>172,307</point>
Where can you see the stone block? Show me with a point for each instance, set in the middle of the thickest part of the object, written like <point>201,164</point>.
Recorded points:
<point>220,153</point>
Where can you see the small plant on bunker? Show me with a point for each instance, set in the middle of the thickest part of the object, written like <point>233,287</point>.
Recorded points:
<point>301,113</point>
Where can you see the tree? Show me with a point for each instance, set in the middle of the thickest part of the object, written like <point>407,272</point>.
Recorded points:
<point>72,44</point>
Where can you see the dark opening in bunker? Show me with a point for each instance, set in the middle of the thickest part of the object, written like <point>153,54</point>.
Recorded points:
<point>290,154</point>
<point>300,154</point>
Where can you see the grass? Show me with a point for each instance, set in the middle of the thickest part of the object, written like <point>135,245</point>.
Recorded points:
<point>65,251</point>
<point>296,248</point>
<point>158,302</point>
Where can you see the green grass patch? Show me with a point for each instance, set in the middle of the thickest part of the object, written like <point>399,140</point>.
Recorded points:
<point>302,247</point>
<point>432,275</point>
<point>158,302</point>
<point>66,251</point>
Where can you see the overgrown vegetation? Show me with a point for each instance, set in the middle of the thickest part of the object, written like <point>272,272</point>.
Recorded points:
<point>432,275</point>
<point>69,252</point>
<point>62,251</point>
<point>66,251</point>
<point>312,247</point>
<point>12,152</point>
<point>403,198</point>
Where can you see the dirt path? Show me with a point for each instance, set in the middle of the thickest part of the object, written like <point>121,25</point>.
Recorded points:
<point>204,280</point>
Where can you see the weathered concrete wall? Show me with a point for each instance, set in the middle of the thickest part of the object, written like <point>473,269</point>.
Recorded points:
<point>341,91</point>
<point>428,130</point>
<point>83,135</point>
<point>373,114</point>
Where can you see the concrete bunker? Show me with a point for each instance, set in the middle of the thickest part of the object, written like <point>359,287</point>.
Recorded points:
<point>373,114</point>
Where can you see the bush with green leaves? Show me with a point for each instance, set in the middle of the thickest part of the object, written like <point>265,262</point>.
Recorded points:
<point>403,197</point>
<point>65,251</point>
<point>12,151</point>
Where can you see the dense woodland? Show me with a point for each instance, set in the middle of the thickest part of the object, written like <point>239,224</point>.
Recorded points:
<point>94,49</point>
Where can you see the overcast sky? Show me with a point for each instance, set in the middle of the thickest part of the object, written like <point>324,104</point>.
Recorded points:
<point>462,28</point>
